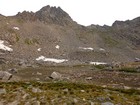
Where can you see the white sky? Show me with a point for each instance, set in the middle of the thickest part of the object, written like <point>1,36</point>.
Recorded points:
<point>84,12</point>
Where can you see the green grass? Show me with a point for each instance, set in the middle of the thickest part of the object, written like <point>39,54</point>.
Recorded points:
<point>51,91</point>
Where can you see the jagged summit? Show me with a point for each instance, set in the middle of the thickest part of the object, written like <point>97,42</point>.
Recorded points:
<point>128,23</point>
<point>26,16</point>
<point>53,15</point>
<point>47,14</point>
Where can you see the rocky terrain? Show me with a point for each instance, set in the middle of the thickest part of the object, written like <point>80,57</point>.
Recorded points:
<point>50,32</point>
<point>46,58</point>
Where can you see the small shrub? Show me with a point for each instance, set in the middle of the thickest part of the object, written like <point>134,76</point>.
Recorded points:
<point>28,41</point>
<point>35,41</point>
<point>17,38</point>
<point>31,41</point>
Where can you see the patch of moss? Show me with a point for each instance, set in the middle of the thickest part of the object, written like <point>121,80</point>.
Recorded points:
<point>99,66</point>
<point>131,70</point>
<point>110,41</point>
<point>35,41</point>
<point>29,41</point>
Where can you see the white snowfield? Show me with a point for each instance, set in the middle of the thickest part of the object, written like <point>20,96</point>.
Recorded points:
<point>86,48</point>
<point>42,58</point>
<point>16,28</point>
<point>98,63</point>
<point>57,46</point>
<point>4,47</point>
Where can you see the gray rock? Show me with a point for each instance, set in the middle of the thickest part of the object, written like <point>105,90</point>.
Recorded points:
<point>107,103</point>
<point>13,70</point>
<point>1,103</point>
<point>103,99</point>
<point>56,75</point>
<point>1,75</point>
<point>75,100</point>
<point>38,73</point>
<point>66,90</point>
<point>38,79</point>
<point>36,90</point>
<point>65,104</point>
<point>14,103</point>
<point>5,76</point>
<point>27,103</point>
<point>91,103</point>
<point>36,103</point>
<point>25,96</point>
<point>89,78</point>
<point>2,91</point>
<point>24,63</point>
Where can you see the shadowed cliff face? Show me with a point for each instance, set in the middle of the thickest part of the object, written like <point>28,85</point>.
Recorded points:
<point>57,36</point>
<point>130,30</point>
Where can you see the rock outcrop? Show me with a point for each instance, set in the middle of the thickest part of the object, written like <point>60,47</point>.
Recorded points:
<point>56,76</point>
<point>53,15</point>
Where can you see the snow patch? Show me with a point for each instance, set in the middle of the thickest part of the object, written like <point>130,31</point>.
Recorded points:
<point>42,58</point>
<point>57,46</point>
<point>98,63</point>
<point>137,59</point>
<point>86,48</point>
<point>101,49</point>
<point>16,28</point>
<point>4,47</point>
<point>39,49</point>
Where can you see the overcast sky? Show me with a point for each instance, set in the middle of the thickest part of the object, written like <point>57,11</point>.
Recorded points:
<point>84,12</point>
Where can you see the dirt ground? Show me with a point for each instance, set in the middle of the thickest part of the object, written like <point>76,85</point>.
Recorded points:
<point>83,74</point>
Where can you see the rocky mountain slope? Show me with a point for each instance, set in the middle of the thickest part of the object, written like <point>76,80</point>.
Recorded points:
<point>50,34</point>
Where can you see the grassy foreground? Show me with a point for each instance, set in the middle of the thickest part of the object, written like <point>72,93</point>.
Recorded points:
<point>64,93</point>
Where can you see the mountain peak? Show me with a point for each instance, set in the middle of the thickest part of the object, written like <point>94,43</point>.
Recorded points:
<point>53,15</point>
<point>26,16</point>
<point>47,14</point>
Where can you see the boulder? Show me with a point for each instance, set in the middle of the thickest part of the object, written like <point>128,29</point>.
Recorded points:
<point>36,90</point>
<point>56,75</point>
<point>2,91</point>
<point>13,70</point>
<point>89,78</point>
<point>107,103</point>
<point>5,76</point>
<point>38,73</point>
